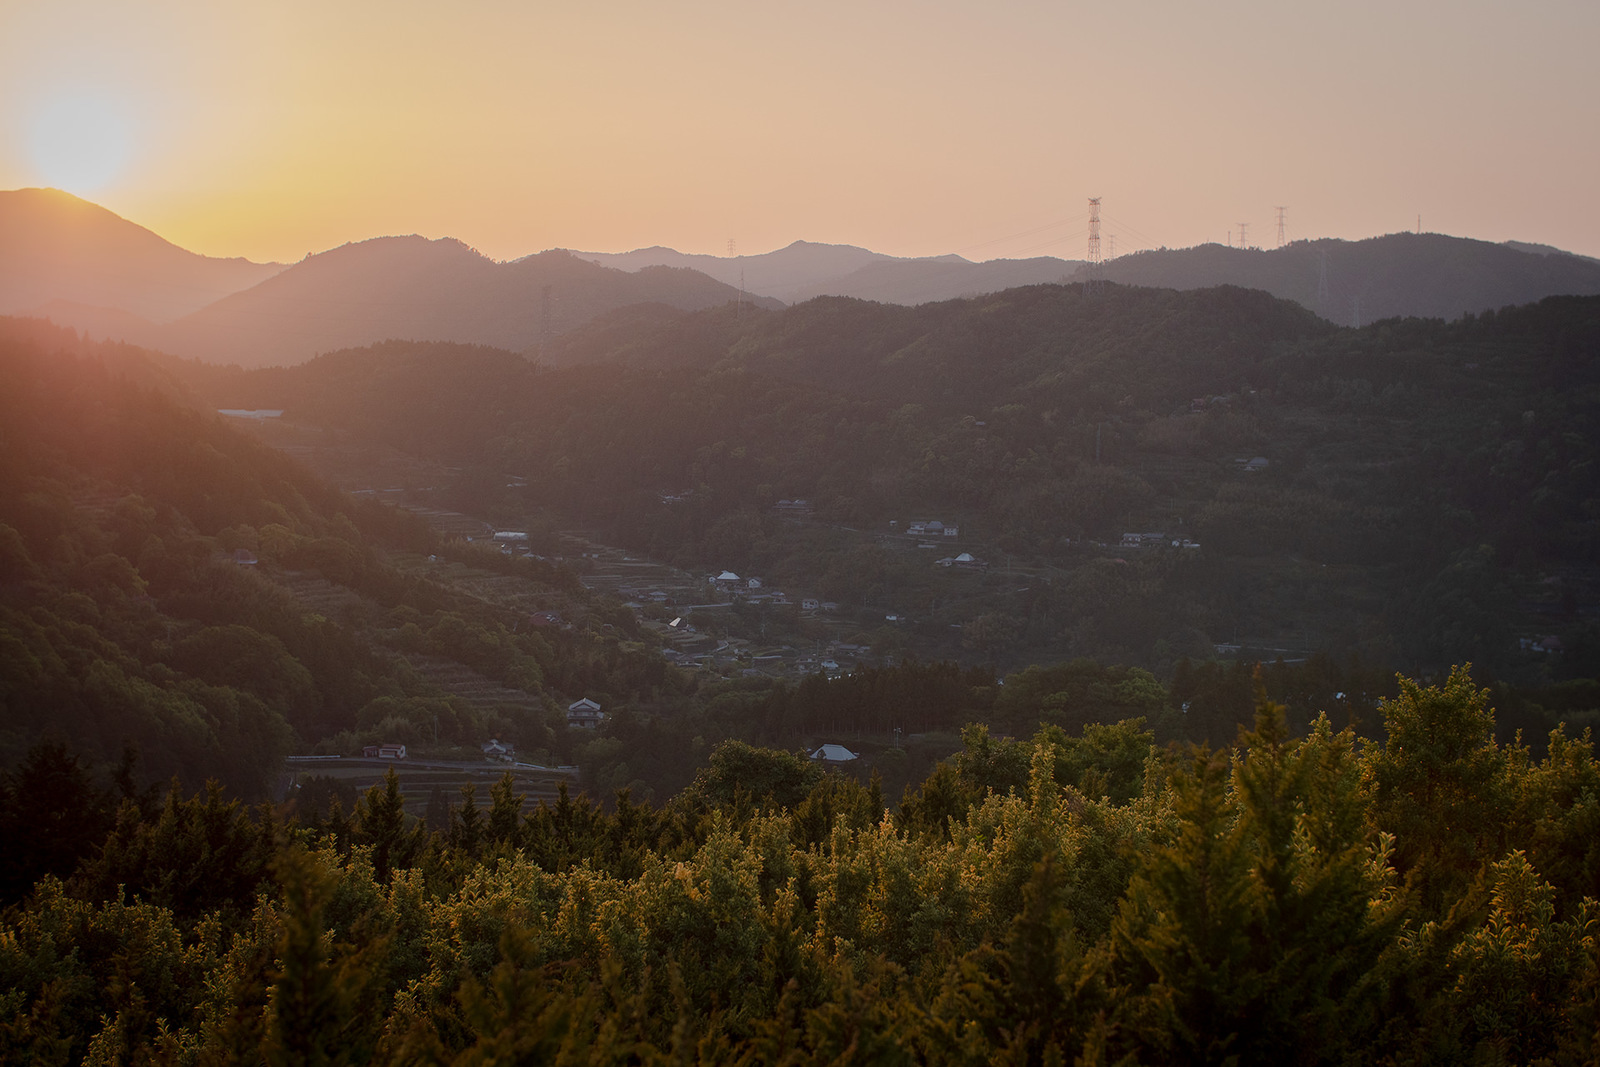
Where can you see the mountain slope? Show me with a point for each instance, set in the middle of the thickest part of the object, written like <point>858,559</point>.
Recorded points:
<point>416,289</point>
<point>1398,275</point>
<point>805,269</point>
<point>1425,491</point>
<point>923,281</point>
<point>58,250</point>
<point>796,268</point>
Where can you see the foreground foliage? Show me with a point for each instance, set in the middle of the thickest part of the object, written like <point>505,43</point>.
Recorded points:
<point>1312,899</point>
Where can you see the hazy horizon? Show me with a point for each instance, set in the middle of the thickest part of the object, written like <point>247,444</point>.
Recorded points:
<point>974,257</point>
<point>913,130</point>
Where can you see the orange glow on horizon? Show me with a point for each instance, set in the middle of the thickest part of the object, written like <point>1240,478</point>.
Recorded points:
<point>914,129</point>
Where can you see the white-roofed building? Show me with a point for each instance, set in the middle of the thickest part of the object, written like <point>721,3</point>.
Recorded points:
<point>584,714</point>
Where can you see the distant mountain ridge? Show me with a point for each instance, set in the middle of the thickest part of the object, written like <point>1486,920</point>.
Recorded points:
<point>806,269</point>
<point>77,261</point>
<point>413,288</point>
<point>84,266</point>
<point>1398,275</point>
<point>1425,275</point>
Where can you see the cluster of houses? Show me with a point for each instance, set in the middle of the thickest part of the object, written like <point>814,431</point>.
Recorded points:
<point>754,591</point>
<point>749,590</point>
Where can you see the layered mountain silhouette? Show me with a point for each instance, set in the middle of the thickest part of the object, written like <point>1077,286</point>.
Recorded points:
<point>805,269</point>
<point>1425,275</point>
<point>1403,274</point>
<point>412,288</point>
<point>87,267</point>
<point>81,265</point>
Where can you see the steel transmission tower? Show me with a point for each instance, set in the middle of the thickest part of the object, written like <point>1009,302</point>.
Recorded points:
<point>1242,242</point>
<point>1282,226</point>
<point>1092,279</point>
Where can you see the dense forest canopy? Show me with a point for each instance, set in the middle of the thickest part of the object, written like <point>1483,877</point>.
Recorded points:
<point>1094,899</point>
<point>1420,491</point>
<point>1081,835</point>
<point>169,584</point>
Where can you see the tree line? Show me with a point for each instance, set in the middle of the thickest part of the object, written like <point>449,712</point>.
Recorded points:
<point>1430,897</point>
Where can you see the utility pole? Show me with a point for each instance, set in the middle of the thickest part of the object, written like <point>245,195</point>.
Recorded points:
<point>1282,226</point>
<point>1242,242</point>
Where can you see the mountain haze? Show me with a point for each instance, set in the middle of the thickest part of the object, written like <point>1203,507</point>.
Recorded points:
<point>1410,476</point>
<point>781,274</point>
<point>806,269</point>
<point>1398,275</point>
<point>81,264</point>
<point>417,289</point>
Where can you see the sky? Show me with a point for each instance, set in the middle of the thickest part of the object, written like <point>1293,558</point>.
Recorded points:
<point>913,128</point>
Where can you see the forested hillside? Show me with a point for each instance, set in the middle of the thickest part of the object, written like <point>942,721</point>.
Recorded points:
<point>175,589</point>
<point>1073,861</point>
<point>1415,275</point>
<point>1420,491</point>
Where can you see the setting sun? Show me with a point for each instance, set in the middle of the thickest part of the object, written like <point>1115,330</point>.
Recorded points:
<point>80,140</point>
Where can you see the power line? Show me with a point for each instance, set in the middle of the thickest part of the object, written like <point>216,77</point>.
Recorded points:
<point>1015,236</point>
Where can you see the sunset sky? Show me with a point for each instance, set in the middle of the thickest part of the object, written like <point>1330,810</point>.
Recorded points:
<point>272,130</point>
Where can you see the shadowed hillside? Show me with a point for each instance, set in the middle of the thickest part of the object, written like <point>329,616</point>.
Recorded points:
<point>1417,490</point>
<point>1400,275</point>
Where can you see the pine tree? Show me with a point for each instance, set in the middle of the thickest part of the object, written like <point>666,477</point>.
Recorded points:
<point>310,1014</point>
<point>505,815</point>
<point>381,822</point>
<point>1439,785</point>
<point>466,831</point>
<point>1260,932</point>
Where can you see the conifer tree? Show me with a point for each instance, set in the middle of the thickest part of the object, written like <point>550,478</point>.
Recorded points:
<point>1439,785</point>
<point>381,822</point>
<point>505,821</point>
<point>310,1014</point>
<point>466,828</point>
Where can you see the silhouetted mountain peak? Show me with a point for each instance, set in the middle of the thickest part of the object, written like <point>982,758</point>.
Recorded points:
<point>61,251</point>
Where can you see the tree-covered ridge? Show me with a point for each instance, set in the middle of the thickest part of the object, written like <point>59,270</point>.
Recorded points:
<point>1420,476</point>
<point>1426,899</point>
<point>154,565</point>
